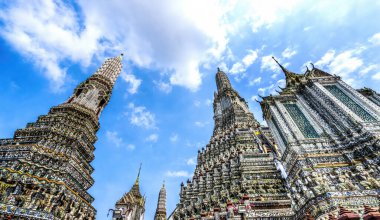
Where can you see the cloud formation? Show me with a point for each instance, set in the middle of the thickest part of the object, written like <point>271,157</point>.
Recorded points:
<point>133,82</point>
<point>152,138</point>
<point>141,117</point>
<point>247,61</point>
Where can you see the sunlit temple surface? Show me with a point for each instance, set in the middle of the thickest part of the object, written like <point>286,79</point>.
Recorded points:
<point>45,168</point>
<point>317,158</point>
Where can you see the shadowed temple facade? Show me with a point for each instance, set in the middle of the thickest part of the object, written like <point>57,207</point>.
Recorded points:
<point>318,158</point>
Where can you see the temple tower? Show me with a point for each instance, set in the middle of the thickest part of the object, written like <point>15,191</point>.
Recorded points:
<point>236,176</point>
<point>329,139</point>
<point>45,168</point>
<point>161,205</point>
<point>132,205</point>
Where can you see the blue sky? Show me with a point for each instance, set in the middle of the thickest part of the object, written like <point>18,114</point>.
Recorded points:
<point>160,113</point>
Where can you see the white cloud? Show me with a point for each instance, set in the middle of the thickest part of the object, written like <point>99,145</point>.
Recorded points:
<point>152,138</point>
<point>174,37</point>
<point>208,102</point>
<point>48,33</point>
<point>259,14</point>
<point>237,68</point>
<point>250,58</point>
<point>141,117</point>
<point>133,82</point>
<point>201,124</point>
<point>271,89</point>
<point>247,61</point>
<point>326,59</point>
<point>343,64</point>
<point>376,76</point>
<point>173,138</point>
<point>375,39</point>
<point>255,81</point>
<point>223,66</point>
<point>368,69</point>
<point>197,103</point>
<point>131,146</point>
<point>191,161</point>
<point>267,63</point>
<point>164,87</point>
<point>307,28</point>
<point>180,173</point>
<point>288,53</point>
<point>114,138</point>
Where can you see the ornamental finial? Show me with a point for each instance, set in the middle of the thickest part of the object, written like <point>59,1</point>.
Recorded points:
<point>283,68</point>
<point>138,175</point>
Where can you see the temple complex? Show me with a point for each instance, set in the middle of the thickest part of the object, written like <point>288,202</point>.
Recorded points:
<point>45,169</point>
<point>131,206</point>
<point>318,158</point>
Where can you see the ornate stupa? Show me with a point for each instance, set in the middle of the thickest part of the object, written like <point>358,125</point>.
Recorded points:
<point>45,169</point>
<point>161,204</point>
<point>236,176</point>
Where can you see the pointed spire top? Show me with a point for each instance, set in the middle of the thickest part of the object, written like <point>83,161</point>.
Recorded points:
<point>222,80</point>
<point>111,68</point>
<point>163,184</point>
<point>287,72</point>
<point>291,78</point>
<point>120,57</point>
<point>138,176</point>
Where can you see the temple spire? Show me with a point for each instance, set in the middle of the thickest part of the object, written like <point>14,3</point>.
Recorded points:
<point>132,204</point>
<point>222,80</point>
<point>286,71</point>
<point>138,176</point>
<point>95,92</point>
<point>161,204</point>
<point>290,77</point>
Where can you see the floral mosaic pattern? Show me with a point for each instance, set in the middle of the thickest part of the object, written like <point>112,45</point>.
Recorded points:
<point>351,104</point>
<point>302,123</point>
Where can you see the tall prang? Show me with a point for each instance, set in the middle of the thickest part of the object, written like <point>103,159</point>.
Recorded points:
<point>236,176</point>
<point>161,205</point>
<point>329,140</point>
<point>131,206</point>
<point>45,169</point>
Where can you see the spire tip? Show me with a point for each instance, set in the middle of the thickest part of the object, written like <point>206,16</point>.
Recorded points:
<point>138,175</point>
